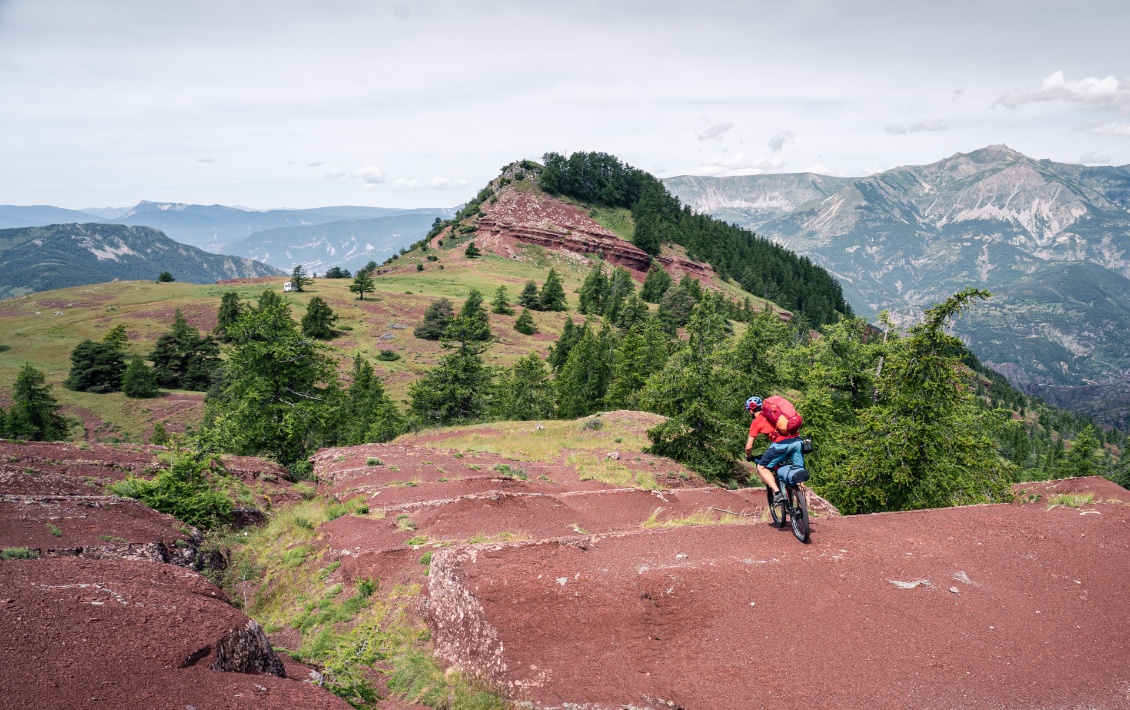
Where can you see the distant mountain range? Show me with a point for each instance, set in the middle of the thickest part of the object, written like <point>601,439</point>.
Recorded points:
<point>361,235</point>
<point>57,256</point>
<point>1050,240</point>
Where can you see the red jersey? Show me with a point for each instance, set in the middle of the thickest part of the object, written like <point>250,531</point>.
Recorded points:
<point>761,425</point>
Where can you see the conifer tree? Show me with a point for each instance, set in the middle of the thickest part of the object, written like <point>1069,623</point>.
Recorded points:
<point>159,436</point>
<point>34,415</point>
<point>182,359</point>
<point>632,312</point>
<point>501,304</point>
<point>584,379</point>
<point>552,295</point>
<point>139,382</point>
<point>471,328</point>
<point>362,283</point>
<point>675,308</point>
<point>525,323</point>
<point>620,286</point>
<point>230,311</point>
<point>98,366</point>
<point>525,392</point>
<point>593,291</point>
<point>472,251</point>
<point>436,319</point>
<point>319,319</point>
<point>570,335</point>
<point>298,278</point>
<point>642,351</point>
<point>529,297</point>
<point>456,390</point>
<point>655,284</point>
<point>370,414</point>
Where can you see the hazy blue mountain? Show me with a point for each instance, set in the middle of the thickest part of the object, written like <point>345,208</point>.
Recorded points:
<point>213,227</point>
<point>106,212</point>
<point>39,215</point>
<point>1050,240</point>
<point>57,256</point>
<point>347,243</point>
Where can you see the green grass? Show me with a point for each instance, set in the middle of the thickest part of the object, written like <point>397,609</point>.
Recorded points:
<point>1071,500</point>
<point>54,530</point>
<point>18,553</point>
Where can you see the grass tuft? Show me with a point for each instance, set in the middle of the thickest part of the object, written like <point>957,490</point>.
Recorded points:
<point>1071,500</point>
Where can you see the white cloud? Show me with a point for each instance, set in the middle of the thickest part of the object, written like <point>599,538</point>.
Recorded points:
<point>1093,158</point>
<point>736,164</point>
<point>897,129</point>
<point>1113,128</point>
<point>335,174</point>
<point>370,176</point>
<point>777,142</point>
<point>316,164</point>
<point>714,131</point>
<point>1108,92</point>
<point>205,160</point>
<point>433,183</point>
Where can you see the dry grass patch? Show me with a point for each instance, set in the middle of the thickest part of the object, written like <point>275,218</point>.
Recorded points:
<point>701,516</point>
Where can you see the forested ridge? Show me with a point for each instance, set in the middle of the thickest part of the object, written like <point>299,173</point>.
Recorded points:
<point>761,267</point>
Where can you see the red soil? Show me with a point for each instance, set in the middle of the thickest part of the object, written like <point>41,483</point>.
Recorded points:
<point>116,634</point>
<point>1022,606</point>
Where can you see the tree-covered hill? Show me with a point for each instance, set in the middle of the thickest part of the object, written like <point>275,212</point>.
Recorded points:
<point>58,256</point>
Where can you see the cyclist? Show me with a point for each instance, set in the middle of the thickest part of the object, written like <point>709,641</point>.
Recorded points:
<point>783,445</point>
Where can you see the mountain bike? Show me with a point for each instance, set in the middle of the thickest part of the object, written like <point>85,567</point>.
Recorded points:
<point>795,507</point>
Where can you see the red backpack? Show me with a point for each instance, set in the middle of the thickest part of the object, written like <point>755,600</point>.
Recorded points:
<point>781,413</point>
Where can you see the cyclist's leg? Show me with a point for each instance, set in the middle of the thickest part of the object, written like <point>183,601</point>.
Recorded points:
<point>796,456</point>
<point>768,478</point>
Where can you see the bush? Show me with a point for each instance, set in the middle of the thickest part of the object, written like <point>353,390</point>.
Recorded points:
<point>388,356</point>
<point>18,553</point>
<point>188,490</point>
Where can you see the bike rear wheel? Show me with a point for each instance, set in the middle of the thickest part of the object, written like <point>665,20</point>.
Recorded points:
<point>798,509</point>
<point>777,511</point>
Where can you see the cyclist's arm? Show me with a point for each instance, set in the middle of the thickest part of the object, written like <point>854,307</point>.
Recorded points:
<point>749,448</point>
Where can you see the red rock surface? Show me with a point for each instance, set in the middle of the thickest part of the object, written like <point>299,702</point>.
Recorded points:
<point>986,606</point>
<point>116,634</point>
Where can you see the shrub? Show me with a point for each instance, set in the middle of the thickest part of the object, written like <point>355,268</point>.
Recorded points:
<point>388,356</point>
<point>366,586</point>
<point>187,490</point>
<point>18,553</point>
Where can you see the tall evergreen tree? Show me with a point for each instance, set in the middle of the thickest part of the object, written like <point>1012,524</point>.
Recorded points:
<point>529,297</point>
<point>34,415</point>
<point>675,308</point>
<point>633,311</point>
<point>525,392</point>
<point>471,328</point>
<point>552,295</point>
<point>363,283</point>
<point>620,287</point>
<point>299,279</point>
<point>182,359</point>
<point>436,319</point>
<point>570,335</point>
<point>525,323</point>
<point>501,304</point>
<point>593,291</point>
<point>139,381</point>
<point>370,414</point>
<point>584,379</point>
<point>641,353</point>
<point>472,251</point>
<point>456,390</point>
<point>655,284</point>
<point>319,319</point>
<point>230,311</point>
<point>98,366</point>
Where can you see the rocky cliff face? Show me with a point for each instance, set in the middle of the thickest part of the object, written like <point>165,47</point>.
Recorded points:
<point>994,218</point>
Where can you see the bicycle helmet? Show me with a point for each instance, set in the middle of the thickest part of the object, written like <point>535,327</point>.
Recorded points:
<point>753,404</point>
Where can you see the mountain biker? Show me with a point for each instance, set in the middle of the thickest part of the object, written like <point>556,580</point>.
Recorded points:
<point>783,445</point>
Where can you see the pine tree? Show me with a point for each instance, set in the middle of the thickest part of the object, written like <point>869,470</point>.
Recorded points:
<point>230,311</point>
<point>675,308</point>
<point>436,319</point>
<point>655,284</point>
<point>500,304</point>
<point>552,295</point>
<point>456,390</point>
<point>633,311</point>
<point>584,379</point>
<point>525,323</point>
<point>319,319</point>
<point>139,382</point>
<point>298,278</point>
<point>641,353</point>
<point>34,415</point>
<point>620,286</point>
<point>362,283</point>
<point>525,392</point>
<point>593,291</point>
<point>472,251</point>
<point>182,359</point>
<point>159,437</point>
<point>471,328</point>
<point>529,297</point>
<point>369,413</point>
<point>98,366</point>
<point>165,277</point>
<point>570,335</point>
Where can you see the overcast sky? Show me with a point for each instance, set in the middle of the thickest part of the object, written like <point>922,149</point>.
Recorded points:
<point>419,103</point>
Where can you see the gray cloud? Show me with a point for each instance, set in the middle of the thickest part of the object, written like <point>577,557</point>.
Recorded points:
<point>315,164</point>
<point>205,160</point>
<point>714,131</point>
<point>1093,158</point>
<point>1107,92</point>
<point>1112,128</point>
<point>370,176</point>
<point>777,142</point>
<point>897,129</point>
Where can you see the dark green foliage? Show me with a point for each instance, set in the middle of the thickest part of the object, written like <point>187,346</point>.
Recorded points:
<point>298,278</point>
<point>34,415</point>
<point>570,335</point>
<point>159,437</point>
<point>319,319</point>
<point>525,323</point>
<point>230,311</point>
<point>189,489</point>
<point>760,266</point>
<point>500,304</point>
<point>279,389</point>
<point>552,294</point>
<point>139,381</point>
<point>388,356</point>
<point>369,414</point>
<point>368,268</point>
<point>336,272</point>
<point>165,277</point>
<point>472,251</point>
<point>633,311</point>
<point>419,267</point>
<point>529,297</point>
<point>691,392</point>
<point>436,319</point>
<point>524,391</point>
<point>471,328</point>
<point>456,390</point>
<point>362,283</point>
<point>642,352</point>
<point>586,374</point>
<point>182,359</point>
<point>675,307</point>
<point>97,366</point>
<point>1083,458</point>
<point>593,292</point>
<point>655,284</point>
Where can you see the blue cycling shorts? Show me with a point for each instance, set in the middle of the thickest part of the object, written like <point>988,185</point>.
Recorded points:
<point>784,449</point>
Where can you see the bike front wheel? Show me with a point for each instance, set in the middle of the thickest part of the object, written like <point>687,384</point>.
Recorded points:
<point>798,509</point>
<point>777,511</point>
